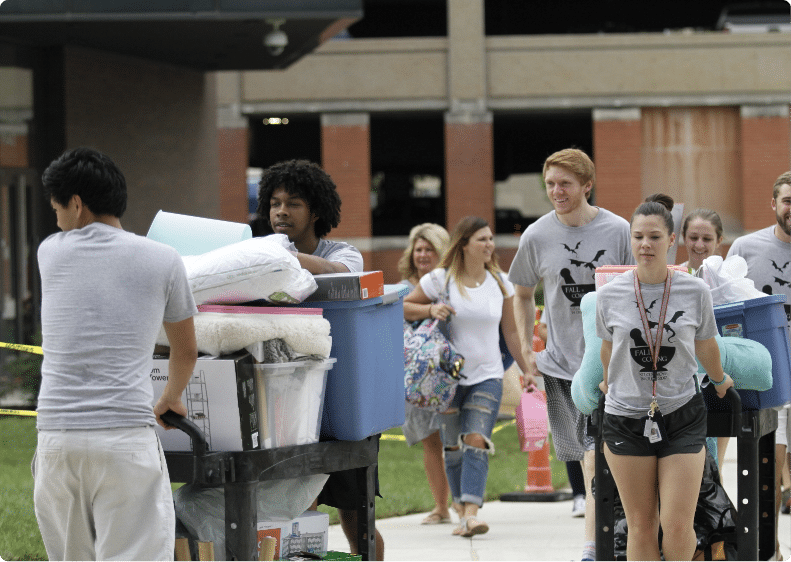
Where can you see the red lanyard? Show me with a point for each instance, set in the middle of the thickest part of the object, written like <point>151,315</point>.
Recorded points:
<point>653,345</point>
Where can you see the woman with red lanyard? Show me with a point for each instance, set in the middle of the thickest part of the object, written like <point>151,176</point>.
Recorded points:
<point>653,322</point>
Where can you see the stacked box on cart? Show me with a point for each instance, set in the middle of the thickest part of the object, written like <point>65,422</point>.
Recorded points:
<point>764,320</point>
<point>220,399</point>
<point>306,533</point>
<point>365,388</point>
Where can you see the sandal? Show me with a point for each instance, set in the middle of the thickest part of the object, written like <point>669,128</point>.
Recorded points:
<point>461,528</point>
<point>435,518</point>
<point>474,527</point>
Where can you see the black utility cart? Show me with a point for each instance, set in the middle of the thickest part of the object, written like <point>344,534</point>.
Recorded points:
<point>239,472</point>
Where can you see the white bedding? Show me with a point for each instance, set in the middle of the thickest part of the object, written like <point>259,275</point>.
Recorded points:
<point>220,334</point>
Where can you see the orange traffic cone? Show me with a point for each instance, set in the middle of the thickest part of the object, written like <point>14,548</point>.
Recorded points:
<point>539,472</point>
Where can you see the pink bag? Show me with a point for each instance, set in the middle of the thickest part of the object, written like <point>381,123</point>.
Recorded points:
<point>531,420</point>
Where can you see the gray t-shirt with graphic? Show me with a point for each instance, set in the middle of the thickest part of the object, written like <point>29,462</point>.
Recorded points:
<point>566,258</point>
<point>768,263</point>
<point>689,317</point>
<point>105,293</point>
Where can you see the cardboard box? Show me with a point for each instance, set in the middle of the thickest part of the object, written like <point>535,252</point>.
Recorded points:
<point>220,399</point>
<point>606,273</point>
<point>348,286</point>
<point>306,533</point>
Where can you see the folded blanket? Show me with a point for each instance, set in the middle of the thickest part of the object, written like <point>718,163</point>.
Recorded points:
<point>220,334</point>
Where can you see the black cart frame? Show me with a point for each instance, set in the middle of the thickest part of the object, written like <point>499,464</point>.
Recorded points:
<point>239,472</point>
<point>755,505</point>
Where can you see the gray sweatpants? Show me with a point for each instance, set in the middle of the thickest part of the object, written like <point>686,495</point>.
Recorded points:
<point>103,494</point>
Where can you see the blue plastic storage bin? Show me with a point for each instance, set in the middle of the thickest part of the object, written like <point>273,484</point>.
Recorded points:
<point>365,388</point>
<point>764,320</point>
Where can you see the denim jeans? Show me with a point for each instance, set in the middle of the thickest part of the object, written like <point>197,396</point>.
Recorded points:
<point>476,411</point>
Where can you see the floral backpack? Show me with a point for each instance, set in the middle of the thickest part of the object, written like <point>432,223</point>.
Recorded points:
<point>432,366</point>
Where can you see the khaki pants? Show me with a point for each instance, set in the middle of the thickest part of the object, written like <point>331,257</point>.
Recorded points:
<point>103,494</point>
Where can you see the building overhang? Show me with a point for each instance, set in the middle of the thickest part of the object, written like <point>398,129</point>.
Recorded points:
<point>206,35</point>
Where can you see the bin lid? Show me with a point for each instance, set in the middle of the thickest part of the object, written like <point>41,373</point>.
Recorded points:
<point>749,303</point>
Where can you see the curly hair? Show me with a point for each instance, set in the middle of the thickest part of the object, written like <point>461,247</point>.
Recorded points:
<point>308,181</point>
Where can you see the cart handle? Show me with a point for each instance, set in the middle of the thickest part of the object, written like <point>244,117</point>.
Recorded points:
<point>196,435</point>
<point>736,411</point>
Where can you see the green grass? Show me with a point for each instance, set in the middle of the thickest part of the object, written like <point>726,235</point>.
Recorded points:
<point>402,482</point>
<point>19,535</point>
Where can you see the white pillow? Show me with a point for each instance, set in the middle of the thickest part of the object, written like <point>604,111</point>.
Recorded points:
<point>258,268</point>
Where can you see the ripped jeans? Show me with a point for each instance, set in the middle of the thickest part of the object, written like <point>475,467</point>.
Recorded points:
<point>476,411</point>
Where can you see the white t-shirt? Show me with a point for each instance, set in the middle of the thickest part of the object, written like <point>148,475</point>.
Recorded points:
<point>474,329</point>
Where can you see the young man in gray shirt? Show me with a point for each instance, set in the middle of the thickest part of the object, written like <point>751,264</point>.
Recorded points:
<point>563,249</point>
<point>301,201</point>
<point>102,489</point>
<point>768,255</point>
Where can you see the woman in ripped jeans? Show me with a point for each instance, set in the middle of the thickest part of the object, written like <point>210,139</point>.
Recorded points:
<point>480,301</point>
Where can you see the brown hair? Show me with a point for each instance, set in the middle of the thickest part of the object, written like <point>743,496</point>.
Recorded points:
<point>784,179</point>
<point>706,215</point>
<point>453,261</point>
<point>657,204</point>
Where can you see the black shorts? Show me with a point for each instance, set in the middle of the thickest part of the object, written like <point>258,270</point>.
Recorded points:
<point>686,432</point>
<point>343,492</point>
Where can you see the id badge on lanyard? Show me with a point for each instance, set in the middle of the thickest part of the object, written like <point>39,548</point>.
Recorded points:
<point>653,423</point>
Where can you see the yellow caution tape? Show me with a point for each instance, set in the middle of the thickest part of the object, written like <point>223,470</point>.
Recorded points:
<point>20,347</point>
<point>4,412</point>
<point>396,437</point>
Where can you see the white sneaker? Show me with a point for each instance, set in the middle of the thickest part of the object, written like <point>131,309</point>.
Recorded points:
<point>578,508</point>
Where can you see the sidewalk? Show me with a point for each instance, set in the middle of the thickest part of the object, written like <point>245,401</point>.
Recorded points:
<point>519,531</point>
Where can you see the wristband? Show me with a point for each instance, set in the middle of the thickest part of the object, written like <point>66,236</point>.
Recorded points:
<point>715,383</point>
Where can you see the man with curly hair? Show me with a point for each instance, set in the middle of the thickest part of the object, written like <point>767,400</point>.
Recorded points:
<point>300,200</point>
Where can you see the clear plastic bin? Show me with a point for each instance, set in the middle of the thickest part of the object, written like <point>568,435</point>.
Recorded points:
<point>290,401</point>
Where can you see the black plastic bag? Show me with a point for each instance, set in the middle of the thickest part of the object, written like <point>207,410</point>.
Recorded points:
<point>715,524</point>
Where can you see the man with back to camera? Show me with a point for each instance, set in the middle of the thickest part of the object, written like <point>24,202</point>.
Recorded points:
<point>768,254</point>
<point>101,484</point>
<point>301,200</point>
<point>563,249</point>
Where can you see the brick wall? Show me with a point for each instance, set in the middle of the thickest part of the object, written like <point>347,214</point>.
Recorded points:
<point>617,145</point>
<point>13,150</point>
<point>346,157</point>
<point>234,154</point>
<point>765,155</point>
<point>469,171</point>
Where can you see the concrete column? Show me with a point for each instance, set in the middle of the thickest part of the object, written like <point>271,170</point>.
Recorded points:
<point>617,144</point>
<point>469,167</point>
<point>764,156</point>
<point>469,145</point>
<point>346,157</point>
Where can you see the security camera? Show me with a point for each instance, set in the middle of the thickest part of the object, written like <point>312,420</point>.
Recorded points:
<point>276,40</point>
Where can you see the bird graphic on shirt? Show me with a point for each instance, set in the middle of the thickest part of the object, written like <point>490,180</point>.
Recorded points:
<point>782,282</point>
<point>649,307</point>
<point>589,264</point>
<point>778,268</point>
<point>572,250</point>
<point>667,327</point>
